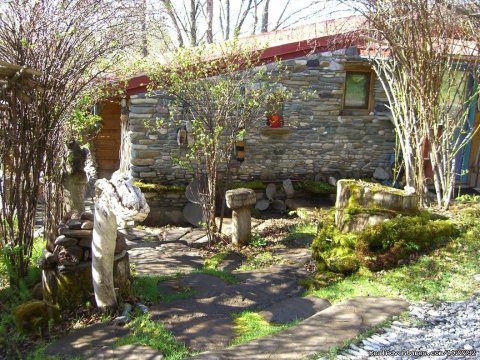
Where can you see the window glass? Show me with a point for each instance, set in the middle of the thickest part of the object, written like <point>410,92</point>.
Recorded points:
<point>357,87</point>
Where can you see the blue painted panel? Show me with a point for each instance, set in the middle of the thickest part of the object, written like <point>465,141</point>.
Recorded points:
<point>463,157</point>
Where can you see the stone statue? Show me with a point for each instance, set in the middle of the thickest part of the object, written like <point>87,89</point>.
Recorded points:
<point>75,178</point>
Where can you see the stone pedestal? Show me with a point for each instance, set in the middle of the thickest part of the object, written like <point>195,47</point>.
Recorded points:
<point>240,201</point>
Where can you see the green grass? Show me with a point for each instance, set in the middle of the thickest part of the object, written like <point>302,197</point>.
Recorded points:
<point>145,288</point>
<point>154,334</point>
<point>11,340</point>
<point>212,262</point>
<point>257,241</point>
<point>259,261</point>
<point>222,274</point>
<point>443,275</point>
<point>251,325</point>
<point>300,230</point>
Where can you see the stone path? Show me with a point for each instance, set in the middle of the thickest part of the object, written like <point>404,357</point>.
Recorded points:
<point>330,327</point>
<point>205,323</point>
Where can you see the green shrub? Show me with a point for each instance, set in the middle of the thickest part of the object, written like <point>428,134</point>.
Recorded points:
<point>257,241</point>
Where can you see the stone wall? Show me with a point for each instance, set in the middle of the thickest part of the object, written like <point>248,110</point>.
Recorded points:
<point>318,138</point>
<point>165,208</point>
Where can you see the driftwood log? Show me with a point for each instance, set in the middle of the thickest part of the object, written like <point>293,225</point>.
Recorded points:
<point>117,200</point>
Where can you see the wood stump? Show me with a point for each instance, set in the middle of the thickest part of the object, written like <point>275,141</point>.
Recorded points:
<point>117,200</point>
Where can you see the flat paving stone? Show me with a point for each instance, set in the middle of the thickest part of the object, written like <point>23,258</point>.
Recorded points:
<point>296,308</point>
<point>127,352</point>
<point>86,341</point>
<point>232,261</point>
<point>157,262</point>
<point>175,233</point>
<point>330,327</point>
<point>192,236</point>
<point>204,286</point>
<point>294,256</point>
<point>303,241</point>
<point>205,333</point>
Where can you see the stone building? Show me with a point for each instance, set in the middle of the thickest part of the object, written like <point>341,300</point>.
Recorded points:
<point>343,130</point>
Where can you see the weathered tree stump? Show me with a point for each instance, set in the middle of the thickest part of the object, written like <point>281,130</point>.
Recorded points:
<point>117,200</point>
<point>240,201</point>
<point>360,204</point>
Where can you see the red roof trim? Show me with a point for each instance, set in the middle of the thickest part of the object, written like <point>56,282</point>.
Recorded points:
<point>140,83</point>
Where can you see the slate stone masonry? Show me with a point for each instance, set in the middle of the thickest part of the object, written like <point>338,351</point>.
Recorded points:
<point>318,138</point>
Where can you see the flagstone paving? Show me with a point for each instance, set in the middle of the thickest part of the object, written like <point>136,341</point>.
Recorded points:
<point>204,322</point>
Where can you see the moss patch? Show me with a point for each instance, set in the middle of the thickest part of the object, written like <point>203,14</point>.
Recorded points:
<point>34,315</point>
<point>381,246</point>
<point>159,188</point>
<point>315,187</point>
<point>253,185</point>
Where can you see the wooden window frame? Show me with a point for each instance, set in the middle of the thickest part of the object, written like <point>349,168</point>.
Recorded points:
<point>370,100</point>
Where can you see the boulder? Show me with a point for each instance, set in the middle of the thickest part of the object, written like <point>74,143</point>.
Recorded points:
<point>381,174</point>
<point>288,187</point>
<point>87,225</point>
<point>34,315</point>
<point>271,190</point>
<point>64,241</point>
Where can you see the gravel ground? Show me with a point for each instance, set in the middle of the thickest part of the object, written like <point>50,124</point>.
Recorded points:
<point>447,330</point>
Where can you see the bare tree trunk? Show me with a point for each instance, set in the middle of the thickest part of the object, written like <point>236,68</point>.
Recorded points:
<point>265,16</point>
<point>116,198</point>
<point>193,23</point>
<point>144,29</point>
<point>209,21</point>
<point>173,16</point>
<point>227,15</point>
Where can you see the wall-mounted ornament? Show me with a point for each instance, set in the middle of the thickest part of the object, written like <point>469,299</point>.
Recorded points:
<point>240,150</point>
<point>182,136</point>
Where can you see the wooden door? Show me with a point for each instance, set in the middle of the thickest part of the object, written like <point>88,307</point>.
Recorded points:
<point>107,142</point>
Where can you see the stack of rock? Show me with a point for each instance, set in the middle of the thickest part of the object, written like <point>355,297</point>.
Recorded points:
<point>67,271</point>
<point>74,243</point>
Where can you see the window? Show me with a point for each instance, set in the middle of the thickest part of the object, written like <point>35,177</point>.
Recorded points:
<point>357,90</point>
